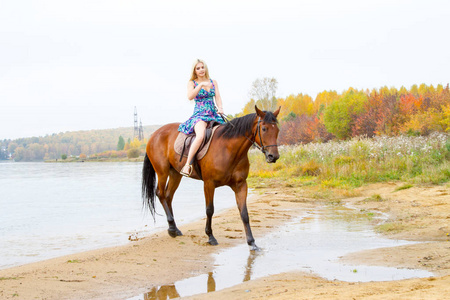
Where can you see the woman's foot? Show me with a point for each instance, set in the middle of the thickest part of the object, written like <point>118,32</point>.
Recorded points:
<point>186,170</point>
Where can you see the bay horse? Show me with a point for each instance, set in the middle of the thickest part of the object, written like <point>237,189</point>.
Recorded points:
<point>225,163</point>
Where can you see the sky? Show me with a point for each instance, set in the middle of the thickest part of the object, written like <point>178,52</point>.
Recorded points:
<point>81,65</point>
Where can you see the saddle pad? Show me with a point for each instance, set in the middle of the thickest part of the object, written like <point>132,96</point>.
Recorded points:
<point>179,143</point>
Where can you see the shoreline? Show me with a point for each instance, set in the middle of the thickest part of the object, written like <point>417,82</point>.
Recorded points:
<point>126,271</point>
<point>119,159</point>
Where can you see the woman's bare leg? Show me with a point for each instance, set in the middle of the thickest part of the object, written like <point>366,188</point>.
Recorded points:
<point>199,130</point>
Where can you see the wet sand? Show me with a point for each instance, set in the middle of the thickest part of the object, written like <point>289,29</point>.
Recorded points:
<point>157,261</point>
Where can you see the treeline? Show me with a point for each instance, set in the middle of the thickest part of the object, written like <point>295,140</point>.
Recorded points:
<point>419,110</point>
<point>74,143</point>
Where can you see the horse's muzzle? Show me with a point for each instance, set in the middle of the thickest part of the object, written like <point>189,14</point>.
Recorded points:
<point>271,158</point>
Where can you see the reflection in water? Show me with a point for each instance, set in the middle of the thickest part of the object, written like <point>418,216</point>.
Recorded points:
<point>211,283</point>
<point>248,269</point>
<point>311,243</point>
<point>162,293</point>
<point>170,291</point>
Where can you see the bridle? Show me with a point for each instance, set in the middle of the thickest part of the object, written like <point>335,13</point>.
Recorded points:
<point>262,148</point>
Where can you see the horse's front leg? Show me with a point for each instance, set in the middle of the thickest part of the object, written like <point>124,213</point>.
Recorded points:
<point>209,189</point>
<point>240,190</point>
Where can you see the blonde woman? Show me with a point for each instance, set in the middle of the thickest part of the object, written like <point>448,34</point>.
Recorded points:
<point>203,90</point>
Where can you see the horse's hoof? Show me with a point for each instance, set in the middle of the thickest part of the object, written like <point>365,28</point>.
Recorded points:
<point>213,242</point>
<point>172,233</point>
<point>254,248</point>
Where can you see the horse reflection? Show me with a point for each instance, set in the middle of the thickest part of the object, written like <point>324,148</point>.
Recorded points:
<point>169,291</point>
<point>248,269</point>
<point>162,293</point>
<point>165,292</point>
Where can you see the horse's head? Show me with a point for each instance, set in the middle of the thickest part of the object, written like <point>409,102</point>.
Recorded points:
<point>266,133</point>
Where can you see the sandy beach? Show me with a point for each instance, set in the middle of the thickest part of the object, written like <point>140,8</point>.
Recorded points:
<point>154,263</point>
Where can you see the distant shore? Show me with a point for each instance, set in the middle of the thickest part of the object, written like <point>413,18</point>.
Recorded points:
<point>79,160</point>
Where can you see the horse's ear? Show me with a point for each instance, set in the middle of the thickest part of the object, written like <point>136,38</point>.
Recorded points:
<point>275,113</point>
<point>259,112</point>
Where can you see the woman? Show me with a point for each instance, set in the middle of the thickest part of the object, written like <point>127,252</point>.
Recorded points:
<point>203,90</point>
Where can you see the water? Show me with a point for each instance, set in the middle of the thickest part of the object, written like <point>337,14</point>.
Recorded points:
<point>312,243</point>
<point>53,209</point>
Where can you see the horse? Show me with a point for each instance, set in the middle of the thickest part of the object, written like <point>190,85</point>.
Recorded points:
<point>225,163</point>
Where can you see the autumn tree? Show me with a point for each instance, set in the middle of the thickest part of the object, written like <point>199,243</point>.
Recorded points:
<point>340,115</point>
<point>324,99</point>
<point>248,108</point>
<point>366,122</point>
<point>296,104</point>
<point>303,129</point>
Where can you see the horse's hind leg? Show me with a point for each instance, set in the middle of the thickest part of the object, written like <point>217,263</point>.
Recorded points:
<point>174,182</point>
<point>165,195</point>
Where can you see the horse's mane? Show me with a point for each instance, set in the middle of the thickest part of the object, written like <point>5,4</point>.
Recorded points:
<point>242,126</point>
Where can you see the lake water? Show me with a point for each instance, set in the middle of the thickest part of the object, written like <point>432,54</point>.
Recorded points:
<point>53,209</point>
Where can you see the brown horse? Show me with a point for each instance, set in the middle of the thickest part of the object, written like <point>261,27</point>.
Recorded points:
<point>226,163</point>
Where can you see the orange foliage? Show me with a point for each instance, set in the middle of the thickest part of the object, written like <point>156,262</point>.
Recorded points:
<point>303,129</point>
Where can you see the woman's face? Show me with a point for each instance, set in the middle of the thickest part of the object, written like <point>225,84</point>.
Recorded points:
<point>200,70</point>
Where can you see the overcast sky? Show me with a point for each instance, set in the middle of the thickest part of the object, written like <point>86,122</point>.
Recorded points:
<point>80,65</point>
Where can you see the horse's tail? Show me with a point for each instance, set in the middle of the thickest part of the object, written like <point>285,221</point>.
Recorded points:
<point>148,185</point>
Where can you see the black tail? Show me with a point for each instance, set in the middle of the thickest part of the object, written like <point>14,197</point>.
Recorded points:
<point>148,185</point>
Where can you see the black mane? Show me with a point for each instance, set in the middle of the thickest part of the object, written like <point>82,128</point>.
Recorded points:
<point>242,126</point>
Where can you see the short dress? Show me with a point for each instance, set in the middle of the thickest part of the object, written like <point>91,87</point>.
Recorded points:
<point>204,110</point>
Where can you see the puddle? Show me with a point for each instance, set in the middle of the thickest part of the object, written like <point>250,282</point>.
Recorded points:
<point>311,243</point>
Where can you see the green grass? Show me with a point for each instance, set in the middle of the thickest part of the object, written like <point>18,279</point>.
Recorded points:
<point>351,164</point>
<point>390,227</point>
<point>404,187</point>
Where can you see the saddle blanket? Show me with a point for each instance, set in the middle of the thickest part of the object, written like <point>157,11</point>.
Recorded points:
<point>183,138</point>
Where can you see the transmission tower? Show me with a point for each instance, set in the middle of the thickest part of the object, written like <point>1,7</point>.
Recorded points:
<point>141,131</point>
<point>136,129</point>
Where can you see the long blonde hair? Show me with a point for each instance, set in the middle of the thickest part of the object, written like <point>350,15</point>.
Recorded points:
<point>197,61</point>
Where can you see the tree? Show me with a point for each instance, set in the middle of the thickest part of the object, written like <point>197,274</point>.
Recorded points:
<point>299,105</point>
<point>12,147</point>
<point>340,115</point>
<point>325,98</point>
<point>248,108</point>
<point>303,129</point>
<point>120,143</point>
<point>263,92</point>
<point>136,143</point>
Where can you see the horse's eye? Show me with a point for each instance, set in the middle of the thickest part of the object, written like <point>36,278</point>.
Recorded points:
<point>264,129</point>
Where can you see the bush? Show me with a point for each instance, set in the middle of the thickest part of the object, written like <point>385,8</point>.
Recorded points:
<point>64,156</point>
<point>133,153</point>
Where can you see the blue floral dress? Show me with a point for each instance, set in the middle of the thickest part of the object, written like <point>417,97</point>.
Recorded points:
<point>204,110</point>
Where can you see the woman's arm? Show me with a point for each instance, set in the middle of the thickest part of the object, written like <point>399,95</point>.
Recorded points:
<point>193,90</point>
<point>218,98</point>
